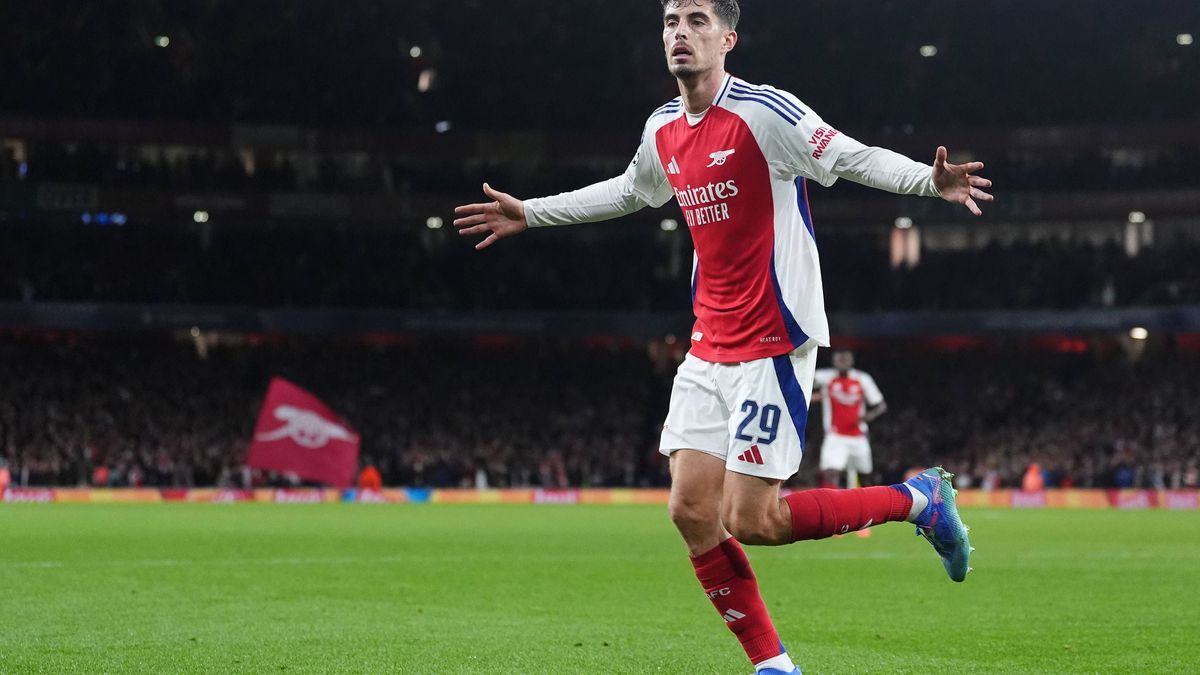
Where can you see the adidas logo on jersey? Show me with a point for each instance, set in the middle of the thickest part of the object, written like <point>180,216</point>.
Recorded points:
<point>752,456</point>
<point>718,158</point>
<point>732,615</point>
<point>673,167</point>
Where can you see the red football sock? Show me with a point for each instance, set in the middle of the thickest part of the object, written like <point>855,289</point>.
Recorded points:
<point>817,514</point>
<point>725,574</point>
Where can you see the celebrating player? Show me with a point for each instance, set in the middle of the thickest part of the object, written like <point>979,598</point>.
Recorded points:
<point>737,157</point>
<point>850,400</point>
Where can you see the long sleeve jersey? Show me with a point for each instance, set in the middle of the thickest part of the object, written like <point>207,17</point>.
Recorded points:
<point>739,173</point>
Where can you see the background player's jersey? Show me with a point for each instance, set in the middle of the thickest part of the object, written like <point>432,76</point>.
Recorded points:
<point>739,175</point>
<point>844,399</point>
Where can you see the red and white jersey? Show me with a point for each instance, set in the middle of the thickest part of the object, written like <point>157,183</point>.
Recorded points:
<point>739,172</point>
<point>845,399</point>
<point>739,175</point>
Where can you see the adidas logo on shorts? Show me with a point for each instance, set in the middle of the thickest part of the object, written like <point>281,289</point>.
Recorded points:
<point>752,455</point>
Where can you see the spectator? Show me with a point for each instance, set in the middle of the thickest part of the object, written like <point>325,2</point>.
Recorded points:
<point>369,478</point>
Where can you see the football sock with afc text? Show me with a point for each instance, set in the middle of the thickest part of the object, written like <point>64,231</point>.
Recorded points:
<point>724,572</point>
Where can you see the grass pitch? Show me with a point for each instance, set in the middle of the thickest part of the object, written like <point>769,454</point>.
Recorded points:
<point>577,589</point>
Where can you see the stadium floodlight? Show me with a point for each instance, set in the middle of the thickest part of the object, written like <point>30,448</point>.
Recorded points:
<point>1138,333</point>
<point>1183,39</point>
<point>929,51</point>
<point>669,225</point>
<point>415,52</point>
<point>904,223</point>
<point>433,223</point>
<point>1137,217</point>
<point>426,79</point>
<point>200,217</point>
<point>162,41</point>
<point>443,126</point>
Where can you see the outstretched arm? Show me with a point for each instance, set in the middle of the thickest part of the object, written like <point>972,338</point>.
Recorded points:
<point>891,171</point>
<point>812,148</point>
<point>643,184</point>
<point>506,215</point>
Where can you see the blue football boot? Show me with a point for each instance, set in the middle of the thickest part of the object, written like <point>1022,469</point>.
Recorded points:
<point>939,522</point>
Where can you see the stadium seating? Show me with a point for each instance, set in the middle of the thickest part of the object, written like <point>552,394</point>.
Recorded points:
<point>509,414</point>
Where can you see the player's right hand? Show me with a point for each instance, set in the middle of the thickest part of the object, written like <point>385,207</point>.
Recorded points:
<point>500,218</point>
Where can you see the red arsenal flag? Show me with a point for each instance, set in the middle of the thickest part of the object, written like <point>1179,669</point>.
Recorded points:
<point>296,433</point>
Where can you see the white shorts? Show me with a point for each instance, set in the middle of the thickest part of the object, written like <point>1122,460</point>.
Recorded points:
<point>840,453</point>
<point>750,414</point>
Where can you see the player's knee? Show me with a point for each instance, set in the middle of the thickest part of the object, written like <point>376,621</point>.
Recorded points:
<point>691,513</point>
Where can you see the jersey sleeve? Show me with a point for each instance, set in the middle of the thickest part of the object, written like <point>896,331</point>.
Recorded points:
<point>823,377</point>
<point>814,149</point>
<point>643,184</point>
<point>871,390</point>
<point>646,172</point>
<point>885,170</point>
<point>807,146</point>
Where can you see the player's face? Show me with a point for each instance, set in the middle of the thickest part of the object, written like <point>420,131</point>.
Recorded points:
<point>694,38</point>
<point>843,360</point>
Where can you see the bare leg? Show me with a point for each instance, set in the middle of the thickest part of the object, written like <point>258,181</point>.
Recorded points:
<point>695,504</point>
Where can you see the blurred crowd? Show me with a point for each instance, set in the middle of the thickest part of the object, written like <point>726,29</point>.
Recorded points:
<point>1049,273</point>
<point>366,62</point>
<point>413,267</point>
<point>1085,419</point>
<point>129,410</point>
<point>126,411</point>
<point>217,168</point>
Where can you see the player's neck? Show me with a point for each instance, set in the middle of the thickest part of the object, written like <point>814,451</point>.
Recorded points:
<point>700,90</point>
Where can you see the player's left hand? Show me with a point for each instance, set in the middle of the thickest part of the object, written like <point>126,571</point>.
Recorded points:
<point>956,184</point>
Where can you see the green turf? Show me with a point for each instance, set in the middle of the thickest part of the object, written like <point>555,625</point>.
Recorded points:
<point>605,589</point>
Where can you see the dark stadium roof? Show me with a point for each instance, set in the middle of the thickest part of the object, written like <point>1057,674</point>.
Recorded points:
<point>521,64</point>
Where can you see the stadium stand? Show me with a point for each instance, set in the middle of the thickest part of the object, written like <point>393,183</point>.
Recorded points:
<point>369,266</point>
<point>150,411</point>
<point>276,172</point>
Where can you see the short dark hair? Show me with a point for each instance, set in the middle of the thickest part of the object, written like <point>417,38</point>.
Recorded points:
<point>727,10</point>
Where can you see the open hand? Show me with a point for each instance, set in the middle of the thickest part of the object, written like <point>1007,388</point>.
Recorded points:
<point>956,184</point>
<point>502,217</point>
